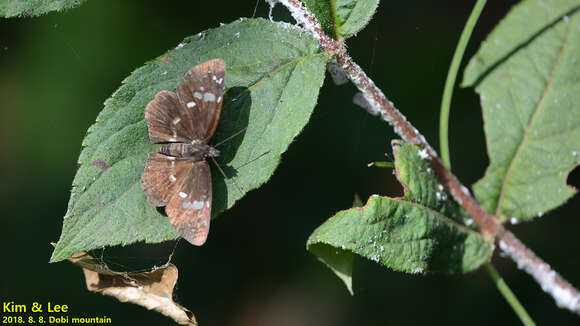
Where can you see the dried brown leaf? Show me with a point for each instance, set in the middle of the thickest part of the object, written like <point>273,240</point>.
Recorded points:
<point>152,290</point>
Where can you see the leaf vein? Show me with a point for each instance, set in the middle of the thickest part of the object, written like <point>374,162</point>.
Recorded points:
<point>531,123</point>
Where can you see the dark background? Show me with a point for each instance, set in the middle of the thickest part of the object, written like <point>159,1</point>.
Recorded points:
<point>57,70</point>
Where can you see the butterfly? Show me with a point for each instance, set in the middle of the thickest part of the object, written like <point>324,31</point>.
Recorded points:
<point>177,175</point>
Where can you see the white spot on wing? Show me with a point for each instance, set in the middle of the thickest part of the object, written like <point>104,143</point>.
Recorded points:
<point>209,97</point>
<point>202,88</point>
<point>172,178</point>
<point>197,204</point>
<point>182,194</point>
<point>190,104</point>
<point>197,95</point>
<point>176,120</point>
<point>219,99</point>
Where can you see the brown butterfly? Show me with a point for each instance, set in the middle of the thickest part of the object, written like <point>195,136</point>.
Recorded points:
<point>177,175</point>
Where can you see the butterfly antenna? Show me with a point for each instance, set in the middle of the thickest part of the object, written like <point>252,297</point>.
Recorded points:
<point>230,137</point>
<point>225,176</point>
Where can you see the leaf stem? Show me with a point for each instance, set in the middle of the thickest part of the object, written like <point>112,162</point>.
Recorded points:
<point>450,81</point>
<point>502,286</point>
<point>382,164</point>
<point>509,295</point>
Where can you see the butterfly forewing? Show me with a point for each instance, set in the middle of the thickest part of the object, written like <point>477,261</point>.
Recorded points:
<point>168,120</point>
<point>201,91</point>
<point>189,209</point>
<point>163,176</point>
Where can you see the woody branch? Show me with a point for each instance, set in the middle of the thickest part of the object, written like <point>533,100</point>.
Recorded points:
<point>564,293</point>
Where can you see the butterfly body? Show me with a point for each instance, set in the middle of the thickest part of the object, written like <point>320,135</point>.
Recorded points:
<point>198,150</point>
<point>177,175</point>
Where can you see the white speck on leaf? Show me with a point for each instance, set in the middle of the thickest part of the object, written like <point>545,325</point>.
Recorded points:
<point>423,154</point>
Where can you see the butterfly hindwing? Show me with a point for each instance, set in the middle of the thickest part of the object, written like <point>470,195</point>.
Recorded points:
<point>189,209</point>
<point>201,91</point>
<point>168,120</point>
<point>163,176</point>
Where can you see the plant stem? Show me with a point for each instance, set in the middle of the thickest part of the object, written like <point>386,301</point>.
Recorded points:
<point>450,82</point>
<point>509,295</point>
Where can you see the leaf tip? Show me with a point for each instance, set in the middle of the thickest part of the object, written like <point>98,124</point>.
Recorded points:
<point>57,254</point>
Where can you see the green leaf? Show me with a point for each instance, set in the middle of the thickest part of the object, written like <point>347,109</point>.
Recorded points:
<point>342,18</point>
<point>338,260</point>
<point>527,75</point>
<point>422,232</point>
<point>274,73</point>
<point>323,12</point>
<point>13,8</point>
